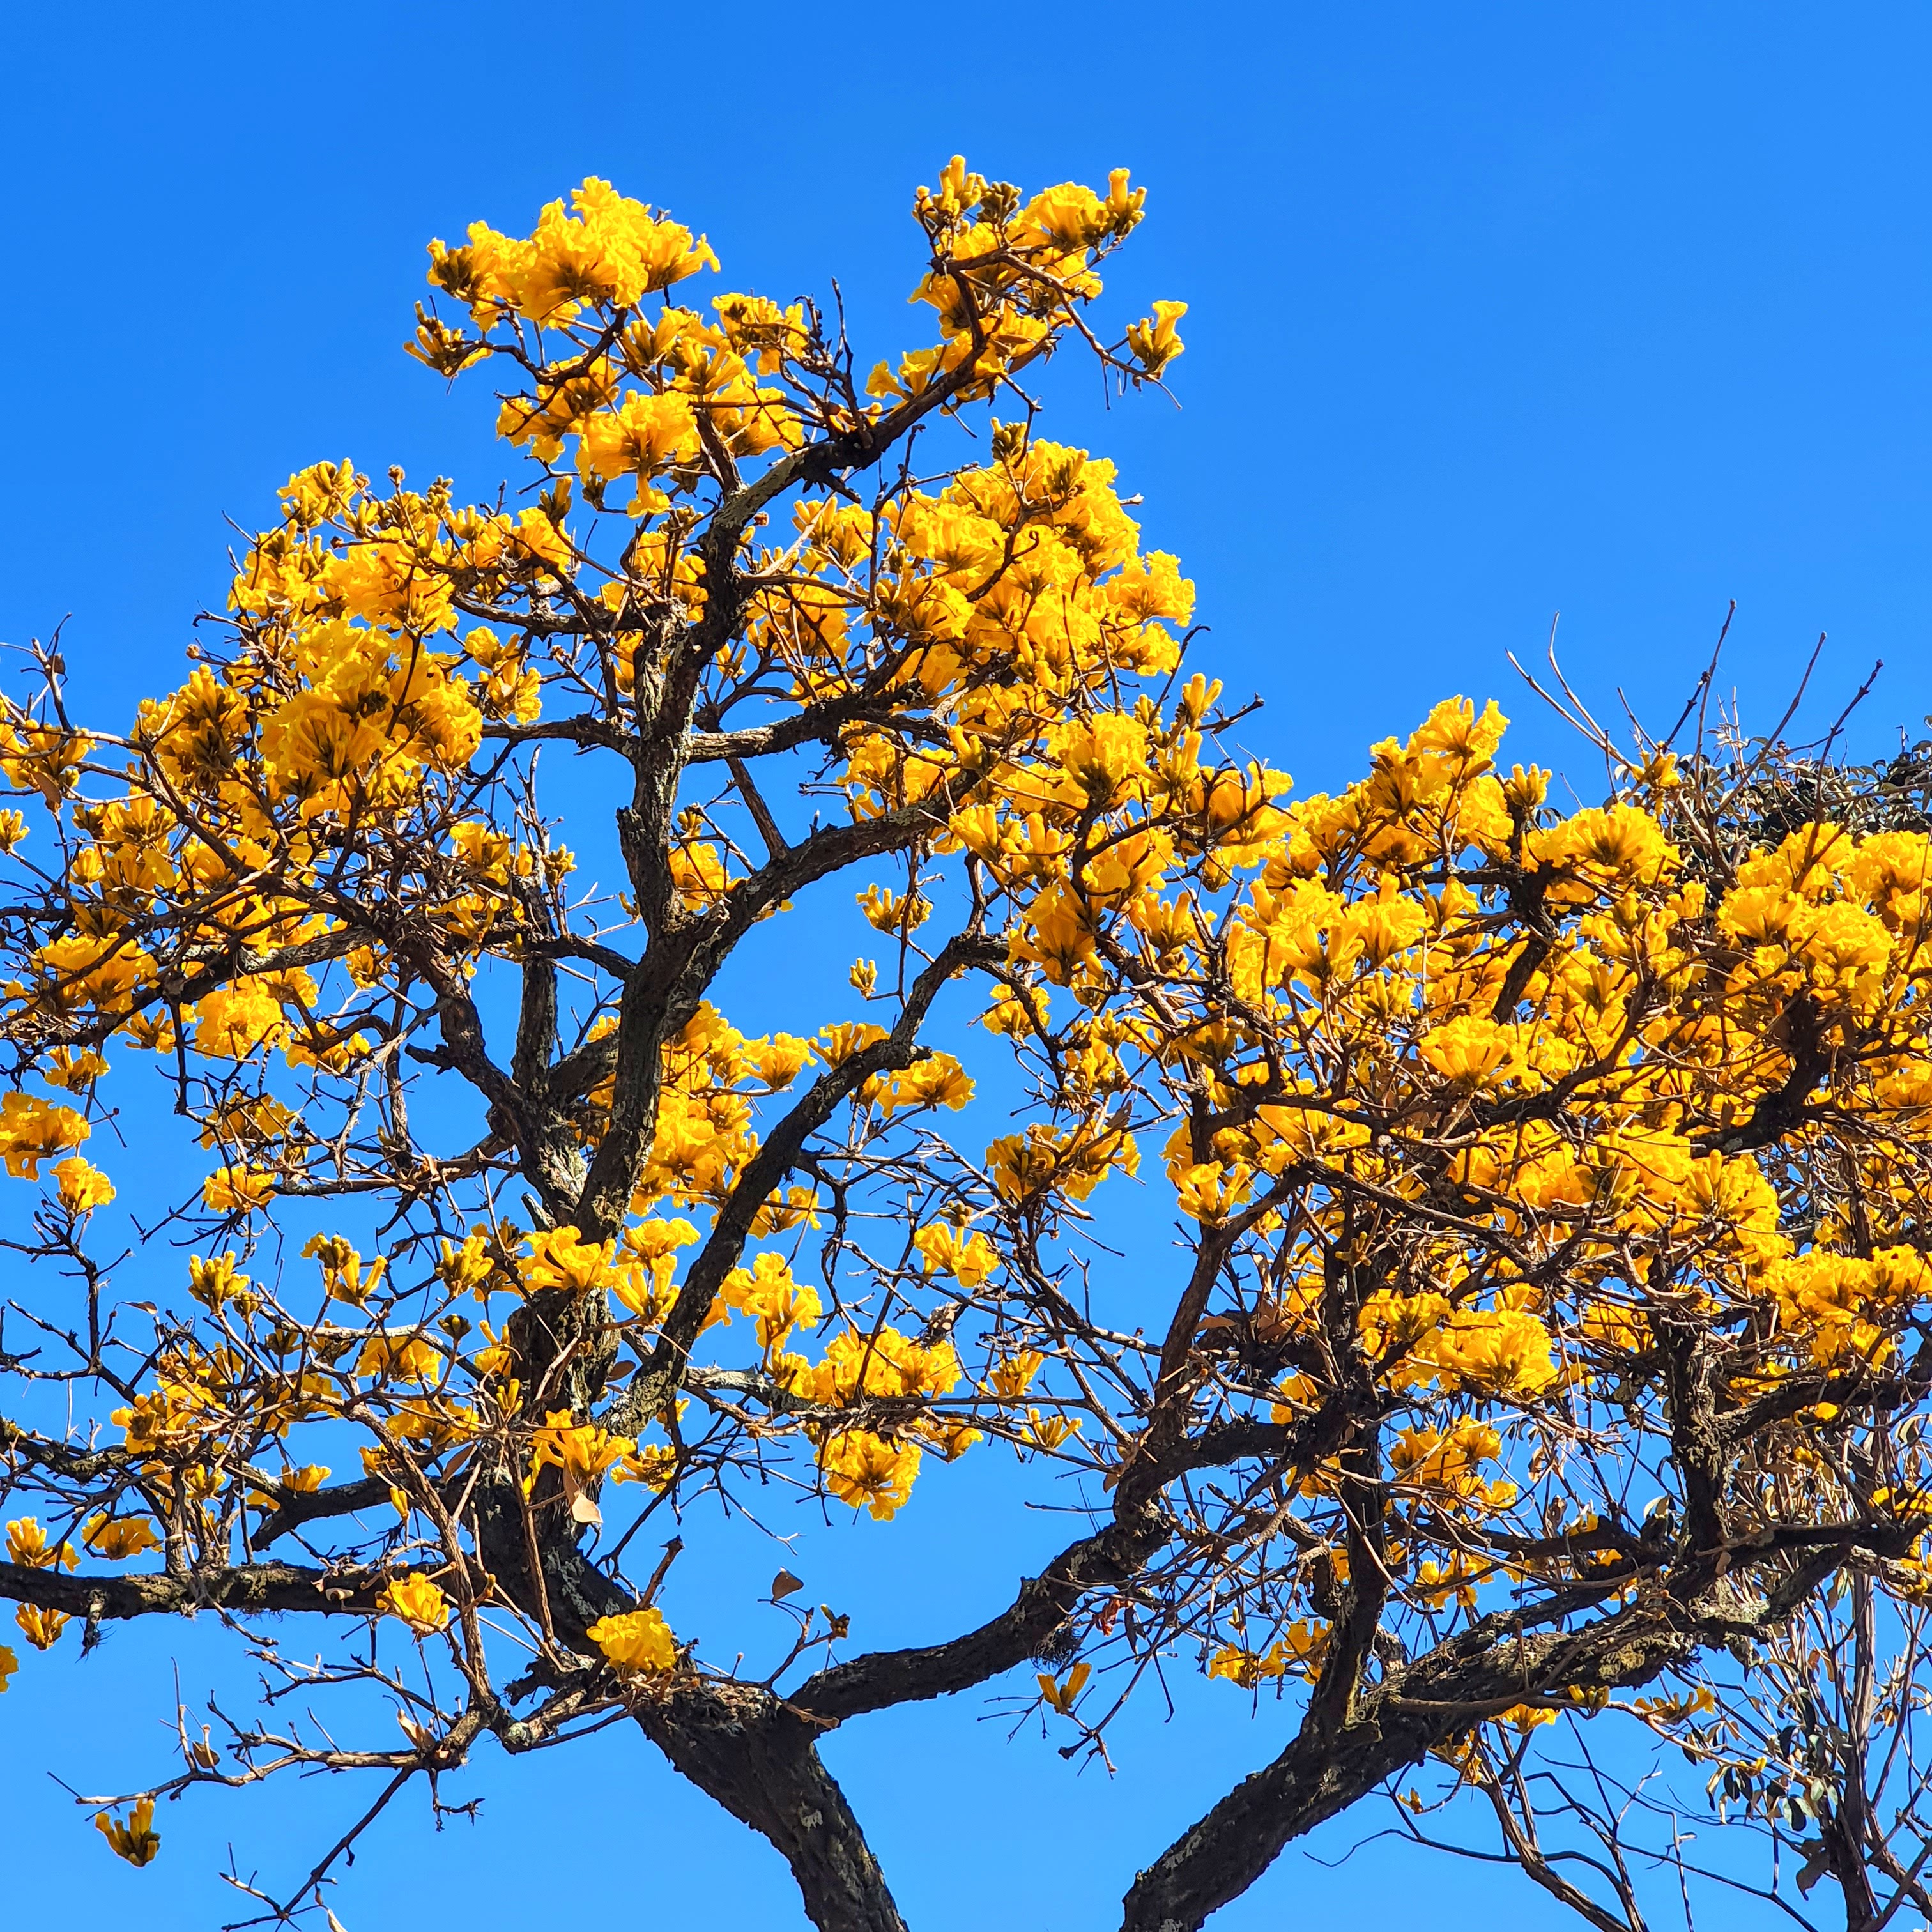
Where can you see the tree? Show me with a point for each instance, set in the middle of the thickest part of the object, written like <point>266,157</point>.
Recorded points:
<point>1549,1195</point>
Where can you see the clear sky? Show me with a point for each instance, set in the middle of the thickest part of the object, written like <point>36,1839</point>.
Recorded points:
<point>1496,312</point>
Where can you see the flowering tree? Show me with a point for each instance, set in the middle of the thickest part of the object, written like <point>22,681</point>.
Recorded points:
<point>1550,1211</point>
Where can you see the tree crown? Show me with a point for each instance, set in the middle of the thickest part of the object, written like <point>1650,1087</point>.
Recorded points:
<point>1550,1204</point>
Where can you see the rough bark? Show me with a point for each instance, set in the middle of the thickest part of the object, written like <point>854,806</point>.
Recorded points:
<point>883,1678</point>
<point>1324,1771</point>
<point>740,1746</point>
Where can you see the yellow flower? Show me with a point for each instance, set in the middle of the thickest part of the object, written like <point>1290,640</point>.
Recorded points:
<point>613,250</point>
<point>637,1642</point>
<point>214,1283</point>
<point>1210,1192</point>
<point>83,1187</point>
<point>1454,731</point>
<point>137,1841</point>
<point>118,1538</point>
<point>1049,1431</point>
<point>417,1601</point>
<point>1063,1696</point>
<point>880,1362</point>
<point>75,1072</point>
<point>1153,343</point>
<point>1623,840</point>
<point>970,1261</point>
<point>768,1293</point>
<point>237,1189</point>
<point>1505,1352</point>
<point>1526,1717</point>
<point>1470,1051</point>
<point>893,912</point>
<point>42,1627</point>
<point>235,1020</point>
<point>642,1280</point>
<point>401,1357</point>
<point>643,437</point>
<point>869,1471</point>
<point>27,1543</point>
<point>9,1663</point>
<point>342,1271</point>
<point>1010,1379</point>
<point>32,1131</point>
<point>559,1259</point>
<point>1239,1667</point>
<point>1297,1646</point>
<point>1105,756</point>
<point>582,1451</point>
<point>841,1041</point>
<point>653,1465</point>
<point>779,1060</point>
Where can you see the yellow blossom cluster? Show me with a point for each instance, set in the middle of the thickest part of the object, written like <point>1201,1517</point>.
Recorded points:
<point>639,1643</point>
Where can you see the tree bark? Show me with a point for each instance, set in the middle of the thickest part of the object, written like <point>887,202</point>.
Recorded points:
<point>740,1746</point>
<point>1326,1769</point>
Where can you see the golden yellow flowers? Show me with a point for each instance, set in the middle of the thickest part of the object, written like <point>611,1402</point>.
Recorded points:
<point>654,1465</point>
<point>1105,756</point>
<point>582,1452</point>
<point>1505,1350</point>
<point>970,1258</point>
<point>399,1358</point>
<point>136,1840</point>
<point>215,1283</point>
<point>1210,1192</point>
<point>235,1020</point>
<point>1298,1647</point>
<point>879,1361</point>
<point>417,1601</point>
<point>559,1259</point>
<point>637,1643</point>
<point>27,1543</point>
<point>32,1130</point>
<point>42,1627</point>
<point>1623,840</point>
<point>869,1471</point>
<point>1153,342</point>
<point>345,1277</point>
<point>613,250</point>
<point>780,1059</point>
<point>643,437</point>
<point>1063,1694</point>
<point>83,1187</point>
<point>1471,1051</point>
<point>772,1296</point>
<point>235,1188</point>
<point>119,1537</point>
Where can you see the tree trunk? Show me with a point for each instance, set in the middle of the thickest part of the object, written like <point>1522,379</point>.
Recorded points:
<point>740,1746</point>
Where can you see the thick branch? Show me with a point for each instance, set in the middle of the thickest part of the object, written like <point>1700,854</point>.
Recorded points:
<point>1498,1662</point>
<point>240,1587</point>
<point>742,1746</point>
<point>774,1160</point>
<point>889,1677</point>
<point>680,963</point>
<point>295,1507</point>
<point>1322,1772</point>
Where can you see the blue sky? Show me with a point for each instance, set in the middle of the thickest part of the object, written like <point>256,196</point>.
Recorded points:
<point>1496,312</point>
